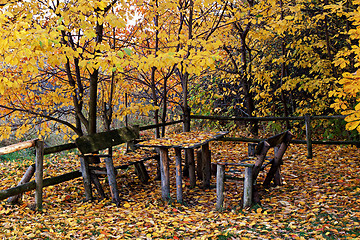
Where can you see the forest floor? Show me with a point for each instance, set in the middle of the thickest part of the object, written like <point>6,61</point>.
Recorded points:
<point>320,199</point>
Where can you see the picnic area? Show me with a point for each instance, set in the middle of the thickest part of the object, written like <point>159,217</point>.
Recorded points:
<point>319,199</point>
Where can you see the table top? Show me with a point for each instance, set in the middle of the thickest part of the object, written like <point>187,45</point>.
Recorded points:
<point>184,140</point>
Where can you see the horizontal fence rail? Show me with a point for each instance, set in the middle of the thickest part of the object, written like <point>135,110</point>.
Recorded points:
<point>225,118</point>
<point>148,127</point>
<point>17,147</point>
<point>307,119</point>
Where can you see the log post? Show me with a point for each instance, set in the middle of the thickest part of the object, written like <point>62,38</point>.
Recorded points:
<point>220,173</point>
<point>97,184</point>
<point>26,178</point>
<point>191,160</point>
<point>141,172</point>
<point>206,165</point>
<point>251,149</point>
<point>85,171</point>
<point>248,183</point>
<point>260,160</point>
<point>179,193</point>
<point>277,177</point>
<point>277,161</point>
<point>308,136</point>
<point>199,164</point>
<point>164,172</point>
<point>39,165</point>
<point>110,170</point>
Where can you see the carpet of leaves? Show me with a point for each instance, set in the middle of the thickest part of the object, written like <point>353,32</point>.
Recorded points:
<point>320,199</point>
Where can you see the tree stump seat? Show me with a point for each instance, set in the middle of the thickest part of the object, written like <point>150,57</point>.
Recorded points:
<point>279,142</point>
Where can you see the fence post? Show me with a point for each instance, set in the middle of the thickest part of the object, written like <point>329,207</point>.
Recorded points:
<point>39,165</point>
<point>308,136</point>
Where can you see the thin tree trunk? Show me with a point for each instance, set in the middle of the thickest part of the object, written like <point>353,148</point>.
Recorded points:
<point>283,72</point>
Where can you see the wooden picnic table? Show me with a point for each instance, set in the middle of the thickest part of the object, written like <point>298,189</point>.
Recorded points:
<point>187,141</point>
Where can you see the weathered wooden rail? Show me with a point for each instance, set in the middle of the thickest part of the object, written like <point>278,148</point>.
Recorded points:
<point>39,183</point>
<point>308,130</point>
<point>39,160</point>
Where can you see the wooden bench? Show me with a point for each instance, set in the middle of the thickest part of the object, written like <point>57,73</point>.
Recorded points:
<point>280,142</point>
<point>89,147</point>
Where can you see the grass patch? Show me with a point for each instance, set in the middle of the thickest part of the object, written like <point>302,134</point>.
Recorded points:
<point>18,156</point>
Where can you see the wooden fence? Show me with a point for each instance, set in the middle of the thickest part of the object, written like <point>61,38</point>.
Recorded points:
<point>24,185</point>
<point>307,122</point>
<point>37,168</point>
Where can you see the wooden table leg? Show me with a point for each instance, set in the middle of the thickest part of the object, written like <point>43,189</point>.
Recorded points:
<point>275,165</point>
<point>164,171</point>
<point>248,182</point>
<point>220,186</point>
<point>206,163</point>
<point>260,160</point>
<point>192,176</point>
<point>179,193</point>
<point>85,171</point>
<point>110,170</point>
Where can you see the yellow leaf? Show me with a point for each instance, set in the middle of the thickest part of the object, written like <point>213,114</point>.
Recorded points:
<point>352,125</point>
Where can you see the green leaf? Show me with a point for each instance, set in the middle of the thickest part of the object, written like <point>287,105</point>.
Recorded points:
<point>128,51</point>
<point>121,54</point>
<point>60,20</point>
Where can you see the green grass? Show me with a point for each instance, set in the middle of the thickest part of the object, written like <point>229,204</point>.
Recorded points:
<point>18,156</point>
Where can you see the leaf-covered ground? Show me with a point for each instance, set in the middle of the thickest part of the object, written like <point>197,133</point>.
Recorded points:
<point>320,199</point>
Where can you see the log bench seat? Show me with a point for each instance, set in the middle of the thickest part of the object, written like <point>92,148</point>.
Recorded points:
<point>126,160</point>
<point>90,145</point>
<point>279,142</point>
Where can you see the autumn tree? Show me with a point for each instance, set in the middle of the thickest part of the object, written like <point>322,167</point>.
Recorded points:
<point>347,96</point>
<point>175,45</point>
<point>61,59</point>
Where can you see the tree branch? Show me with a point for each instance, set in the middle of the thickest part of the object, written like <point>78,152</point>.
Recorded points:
<point>43,116</point>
